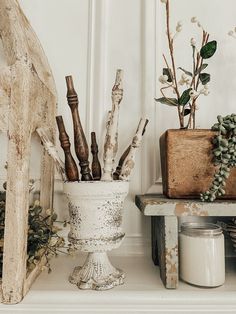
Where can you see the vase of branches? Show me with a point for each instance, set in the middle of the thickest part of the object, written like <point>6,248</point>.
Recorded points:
<point>182,89</point>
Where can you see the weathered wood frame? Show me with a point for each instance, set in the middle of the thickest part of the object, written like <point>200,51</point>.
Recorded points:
<point>27,102</point>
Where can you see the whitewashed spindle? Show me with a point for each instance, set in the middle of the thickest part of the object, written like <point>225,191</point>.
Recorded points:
<point>52,151</point>
<point>129,162</point>
<point>111,140</point>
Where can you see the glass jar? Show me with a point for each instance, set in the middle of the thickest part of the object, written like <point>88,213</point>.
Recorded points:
<point>202,254</point>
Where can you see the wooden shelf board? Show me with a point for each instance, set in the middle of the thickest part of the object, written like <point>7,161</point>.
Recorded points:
<point>159,205</point>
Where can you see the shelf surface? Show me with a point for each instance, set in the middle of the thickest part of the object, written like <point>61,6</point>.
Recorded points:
<point>143,292</point>
<point>159,205</point>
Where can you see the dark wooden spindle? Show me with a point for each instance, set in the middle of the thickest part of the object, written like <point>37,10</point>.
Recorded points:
<point>81,146</point>
<point>70,165</point>
<point>96,166</point>
<point>117,173</point>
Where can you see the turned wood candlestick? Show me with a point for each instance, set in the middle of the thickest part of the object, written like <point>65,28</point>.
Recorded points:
<point>70,165</point>
<point>81,146</point>
<point>96,167</point>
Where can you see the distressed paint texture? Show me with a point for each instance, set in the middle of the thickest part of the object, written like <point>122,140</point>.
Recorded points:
<point>164,213</point>
<point>129,161</point>
<point>159,205</point>
<point>167,242</point>
<point>28,101</point>
<point>186,209</point>
<point>96,210</point>
<point>111,140</point>
<point>52,151</point>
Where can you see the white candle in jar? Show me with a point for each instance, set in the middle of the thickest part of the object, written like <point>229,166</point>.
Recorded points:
<point>202,256</point>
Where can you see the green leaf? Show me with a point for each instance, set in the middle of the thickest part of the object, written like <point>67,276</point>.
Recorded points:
<point>204,78</point>
<point>167,101</point>
<point>204,65</point>
<point>54,217</point>
<point>187,111</point>
<point>168,72</point>
<point>186,72</point>
<point>208,50</point>
<point>185,97</point>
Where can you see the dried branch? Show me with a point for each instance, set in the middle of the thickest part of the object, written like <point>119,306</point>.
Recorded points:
<point>171,49</point>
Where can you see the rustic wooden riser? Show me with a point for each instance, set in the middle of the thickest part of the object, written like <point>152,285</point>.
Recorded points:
<point>28,102</point>
<point>188,177</point>
<point>164,214</point>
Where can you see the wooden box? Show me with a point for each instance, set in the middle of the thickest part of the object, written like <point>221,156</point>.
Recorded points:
<point>186,163</point>
<point>27,101</point>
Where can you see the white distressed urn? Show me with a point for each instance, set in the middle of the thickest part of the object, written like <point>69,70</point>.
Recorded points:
<point>96,209</point>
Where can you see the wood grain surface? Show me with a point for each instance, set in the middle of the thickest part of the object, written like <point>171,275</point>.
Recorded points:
<point>186,162</point>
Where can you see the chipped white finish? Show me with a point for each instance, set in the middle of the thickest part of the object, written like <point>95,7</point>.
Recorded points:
<point>168,251</point>
<point>129,161</point>
<point>28,101</point>
<point>96,210</point>
<point>52,151</point>
<point>111,140</point>
<point>159,205</point>
<point>97,273</point>
<point>5,90</point>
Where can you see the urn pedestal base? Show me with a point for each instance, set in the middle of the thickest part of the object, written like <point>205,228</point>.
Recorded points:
<point>97,273</point>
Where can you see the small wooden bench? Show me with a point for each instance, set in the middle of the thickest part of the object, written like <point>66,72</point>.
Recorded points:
<point>164,214</point>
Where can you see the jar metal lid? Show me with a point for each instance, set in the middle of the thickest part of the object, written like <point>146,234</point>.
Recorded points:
<point>201,229</point>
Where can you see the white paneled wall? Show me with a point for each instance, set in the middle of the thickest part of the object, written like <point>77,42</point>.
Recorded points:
<point>90,39</point>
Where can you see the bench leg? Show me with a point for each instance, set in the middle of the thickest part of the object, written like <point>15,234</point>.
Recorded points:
<point>165,237</point>
<point>154,236</point>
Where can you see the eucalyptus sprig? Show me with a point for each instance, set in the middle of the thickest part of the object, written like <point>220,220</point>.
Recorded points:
<point>224,152</point>
<point>183,93</point>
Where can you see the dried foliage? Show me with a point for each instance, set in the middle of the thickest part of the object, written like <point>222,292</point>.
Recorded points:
<point>43,237</point>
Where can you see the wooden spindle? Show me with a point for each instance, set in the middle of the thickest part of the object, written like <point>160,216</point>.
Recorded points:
<point>116,174</point>
<point>96,166</point>
<point>111,140</point>
<point>129,162</point>
<point>52,151</point>
<point>81,146</point>
<point>70,165</point>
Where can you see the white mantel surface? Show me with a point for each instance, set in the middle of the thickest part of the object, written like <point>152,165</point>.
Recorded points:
<point>143,292</point>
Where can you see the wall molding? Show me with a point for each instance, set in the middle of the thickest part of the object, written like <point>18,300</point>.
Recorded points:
<point>96,65</point>
<point>148,82</point>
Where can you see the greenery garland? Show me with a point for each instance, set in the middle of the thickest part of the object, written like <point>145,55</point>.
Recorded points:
<point>224,152</point>
<point>43,238</point>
